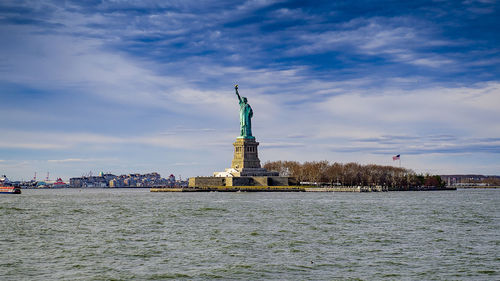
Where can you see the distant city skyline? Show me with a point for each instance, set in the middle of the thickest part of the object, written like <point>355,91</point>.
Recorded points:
<point>148,86</point>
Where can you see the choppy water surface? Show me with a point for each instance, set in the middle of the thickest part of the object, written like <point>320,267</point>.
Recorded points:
<point>102,234</point>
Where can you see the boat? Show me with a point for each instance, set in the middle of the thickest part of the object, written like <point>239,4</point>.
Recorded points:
<point>10,189</point>
<point>6,187</point>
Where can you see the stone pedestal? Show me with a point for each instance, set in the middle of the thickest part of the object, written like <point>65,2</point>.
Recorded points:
<point>245,170</point>
<point>246,160</point>
<point>245,154</point>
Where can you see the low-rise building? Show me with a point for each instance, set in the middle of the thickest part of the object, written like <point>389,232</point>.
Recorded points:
<point>131,180</point>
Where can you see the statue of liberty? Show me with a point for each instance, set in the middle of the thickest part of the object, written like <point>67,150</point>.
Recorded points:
<point>246,114</point>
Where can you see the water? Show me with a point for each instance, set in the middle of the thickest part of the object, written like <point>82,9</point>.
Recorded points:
<point>126,234</point>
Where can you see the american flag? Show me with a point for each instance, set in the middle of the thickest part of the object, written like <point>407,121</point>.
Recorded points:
<point>397,157</point>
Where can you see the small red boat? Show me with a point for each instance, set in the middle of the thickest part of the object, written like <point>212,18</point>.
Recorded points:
<point>10,189</point>
<point>6,187</point>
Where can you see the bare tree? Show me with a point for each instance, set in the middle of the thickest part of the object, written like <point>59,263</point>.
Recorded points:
<point>352,174</point>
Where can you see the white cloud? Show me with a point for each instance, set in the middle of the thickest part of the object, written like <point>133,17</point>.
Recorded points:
<point>397,39</point>
<point>451,107</point>
<point>47,140</point>
<point>251,5</point>
<point>75,160</point>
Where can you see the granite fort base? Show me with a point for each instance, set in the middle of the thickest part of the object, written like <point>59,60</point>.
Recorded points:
<point>245,170</point>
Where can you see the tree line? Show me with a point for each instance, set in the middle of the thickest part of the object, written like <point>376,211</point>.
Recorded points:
<point>353,174</point>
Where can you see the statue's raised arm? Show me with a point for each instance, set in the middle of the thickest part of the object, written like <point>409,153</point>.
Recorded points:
<point>238,94</point>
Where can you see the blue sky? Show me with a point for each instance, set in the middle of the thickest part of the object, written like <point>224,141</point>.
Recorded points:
<point>141,86</point>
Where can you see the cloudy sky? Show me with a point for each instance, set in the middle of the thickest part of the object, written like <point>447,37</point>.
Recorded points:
<point>142,86</point>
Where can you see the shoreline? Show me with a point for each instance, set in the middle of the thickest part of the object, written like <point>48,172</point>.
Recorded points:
<point>355,189</point>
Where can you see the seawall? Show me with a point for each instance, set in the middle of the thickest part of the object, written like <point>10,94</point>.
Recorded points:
<point>290,189</point>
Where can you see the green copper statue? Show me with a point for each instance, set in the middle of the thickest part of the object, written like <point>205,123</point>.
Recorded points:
<point>246,114</point>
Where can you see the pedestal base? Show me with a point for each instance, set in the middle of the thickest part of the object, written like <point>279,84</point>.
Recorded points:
<point>246,154</point>
<point>245,170</point>
<point>202,182</point>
